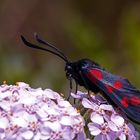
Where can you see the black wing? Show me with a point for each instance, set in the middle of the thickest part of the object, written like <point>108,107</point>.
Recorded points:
<point>118,89</point>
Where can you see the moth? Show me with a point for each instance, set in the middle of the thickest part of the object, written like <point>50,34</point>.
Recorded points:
<point>92,76</point>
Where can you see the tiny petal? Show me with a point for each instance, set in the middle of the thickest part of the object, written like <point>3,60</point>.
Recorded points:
<point>112,126</point>
<point>19,121</point>
<point>51,111</point>
<point>68,134</point>
<point>5,94</point>
<point>87,104</point>
<point>94,130</point>
<point>29,99</point>
<point>100,137</point>
<point>66,120</point>
<point>79,95</point>
<point>81,136</point>
<point>45,131</point>
<point>3,123</point>
<point>37,136</point>
<point>41,114</point>
<point>118,120</point>
<point>5,106</point>
<point>131,127</point>
<point>122,136</point>
<point>106,107</point>
<point>63,103</point>
<point>22,84</point>
<point>54,126</point>
<point>51,94</point>
<point>96,118</point>
<point>27,135</point>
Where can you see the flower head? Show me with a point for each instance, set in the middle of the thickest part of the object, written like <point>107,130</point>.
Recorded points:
<point>105,122</point>
<point>33,114</point>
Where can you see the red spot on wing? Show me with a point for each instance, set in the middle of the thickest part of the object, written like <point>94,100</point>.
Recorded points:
<point>118,84</point>
<point>97,73</point>
<point>109,88</point>
<point>91,77</point>
<point>124,101</point>
<point>135,101</point>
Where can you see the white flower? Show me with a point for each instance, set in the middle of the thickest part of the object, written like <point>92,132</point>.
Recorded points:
<point>106,123</point>
<point>36,114</point>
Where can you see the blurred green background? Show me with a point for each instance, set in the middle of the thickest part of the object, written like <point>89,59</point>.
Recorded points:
<point>107,32</point>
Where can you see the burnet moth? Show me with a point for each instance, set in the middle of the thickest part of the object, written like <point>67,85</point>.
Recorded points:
<point>92,76</point>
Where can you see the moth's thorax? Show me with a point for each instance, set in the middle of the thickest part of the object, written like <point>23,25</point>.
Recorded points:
<point>86,63</point>
<point>73,69</point>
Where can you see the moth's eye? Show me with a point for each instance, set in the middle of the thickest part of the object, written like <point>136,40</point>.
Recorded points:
<point>69,67</point>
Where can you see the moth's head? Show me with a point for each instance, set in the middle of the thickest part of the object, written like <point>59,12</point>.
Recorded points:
<point>69,70</point>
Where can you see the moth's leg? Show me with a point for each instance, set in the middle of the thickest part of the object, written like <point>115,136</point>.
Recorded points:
<point>86,86</point>
<point>70,90</point>
<point>76,89</point>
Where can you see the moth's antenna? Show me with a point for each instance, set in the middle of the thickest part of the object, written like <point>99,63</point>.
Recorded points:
<point>40,48</point>
<point>49,45</point>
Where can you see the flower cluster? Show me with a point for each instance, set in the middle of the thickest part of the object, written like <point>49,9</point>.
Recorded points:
<point>36,114</point>
<point>105,123</point>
